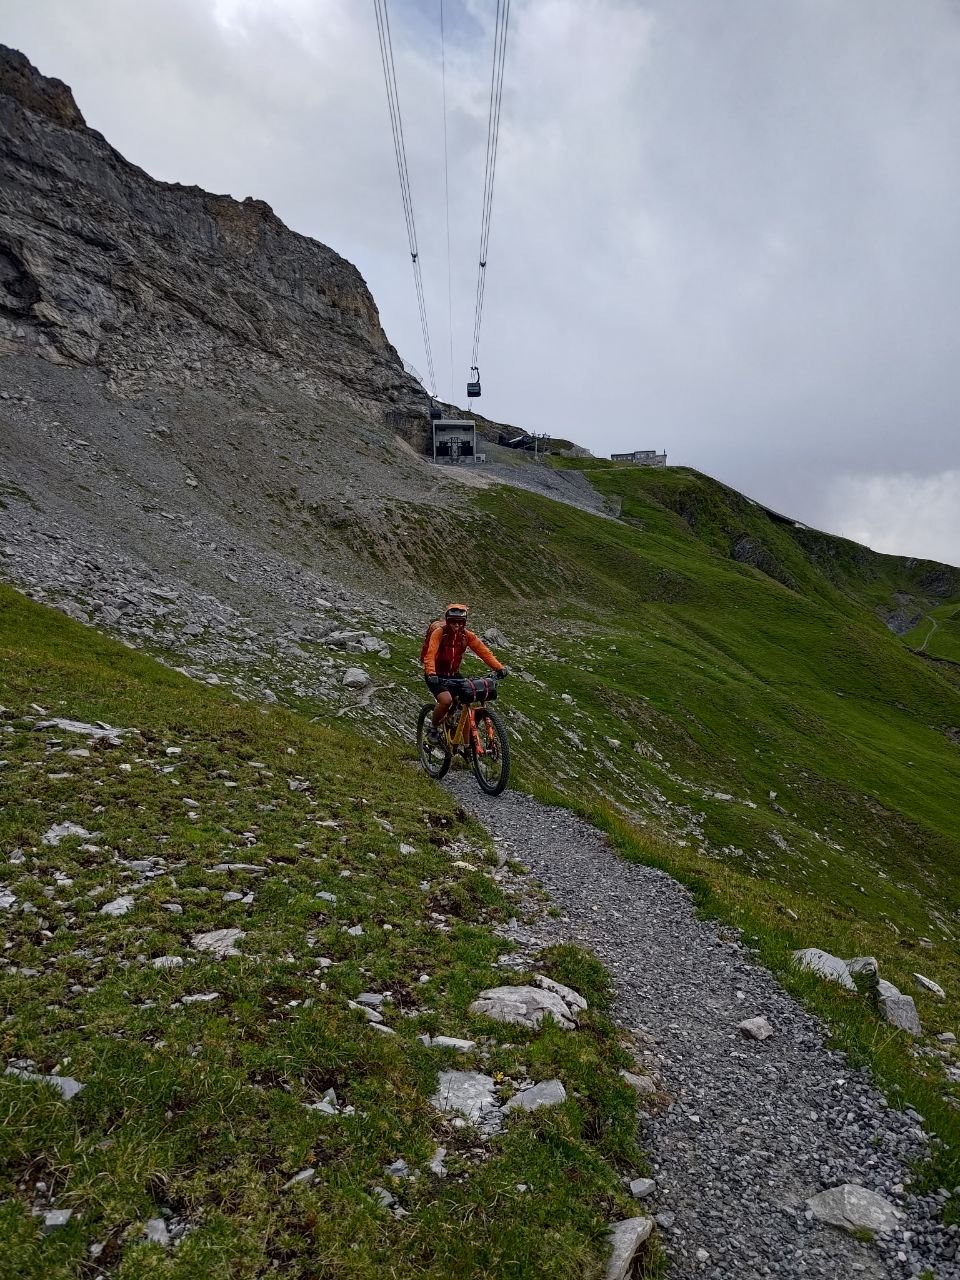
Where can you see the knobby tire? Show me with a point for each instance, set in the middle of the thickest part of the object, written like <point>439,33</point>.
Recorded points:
<point>503,745</point>
<point>431,768</point>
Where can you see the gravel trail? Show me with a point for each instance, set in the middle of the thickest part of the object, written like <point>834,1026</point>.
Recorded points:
<point>752,1128</point>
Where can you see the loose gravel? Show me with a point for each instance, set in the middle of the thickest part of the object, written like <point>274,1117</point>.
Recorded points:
<point>751,1128</point>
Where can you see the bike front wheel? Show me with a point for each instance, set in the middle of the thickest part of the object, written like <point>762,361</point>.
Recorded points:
<point>491,763</point>
<point>434,759</point>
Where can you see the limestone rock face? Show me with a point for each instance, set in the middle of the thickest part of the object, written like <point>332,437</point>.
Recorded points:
<point>854,1208</point>
<point>102,265</point>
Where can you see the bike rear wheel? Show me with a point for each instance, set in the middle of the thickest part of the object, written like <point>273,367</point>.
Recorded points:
<point>434,760</point>
<point>491,765</point>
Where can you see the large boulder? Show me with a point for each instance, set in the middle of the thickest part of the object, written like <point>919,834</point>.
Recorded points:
<point>525,1006</point>
<point>827,966</point>
<point>854,1208</point>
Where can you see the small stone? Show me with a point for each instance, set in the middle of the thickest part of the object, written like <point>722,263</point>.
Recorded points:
<point>67,1086</point>
<point>324,896</point>
<point>641,1188</point>
<point>928,984</point>
<point>666,1219</point>
<point>55,1218</point>
<point>167,962</point>
<point>471,1093</point>
<point>220,942</point>
<point>355,678</point>
<point>63,831</point>
<point>854,1208</point>
<point>119,906</point>
<point>643,1085</point>
<point>625,1240</point>
<point>356,931</point>
<point>756,1028</point>
<point>702,1256</point>
<point>155,1229</point>
<point>303,1178</point>
<point>549,1093</point>
<point>452,1042</point>
<point>436,1165</point>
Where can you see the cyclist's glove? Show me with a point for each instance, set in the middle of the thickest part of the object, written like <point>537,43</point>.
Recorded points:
<point>433,684</point>
<point>502,673</point>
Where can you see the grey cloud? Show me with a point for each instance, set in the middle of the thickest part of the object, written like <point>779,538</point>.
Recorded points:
<point>727,230</point>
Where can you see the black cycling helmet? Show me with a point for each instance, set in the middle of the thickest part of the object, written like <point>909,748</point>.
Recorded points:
<point>456,613</point>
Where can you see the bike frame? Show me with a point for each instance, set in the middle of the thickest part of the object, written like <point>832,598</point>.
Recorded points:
<point>461,730</point>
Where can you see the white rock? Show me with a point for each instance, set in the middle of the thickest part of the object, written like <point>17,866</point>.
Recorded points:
<point>155,1229</point>
<point>452,1042</point>
<point>928,984</point>
<point>625,1240</point>
<point>471,1093</point>
<point>220,942</point>
<point>642,1085</point>
<point>55,1218</point>
<point>756,1028</point>
<point>167,962</point>
<point>641,1188</point>
<point>900,1011</point>
<point>202,997</point>
<point>100,730</point>
<point>303,1178</point>
<point>549,1093</point>
<point>436,1165</point>
<point>7,899</point>
<point>526,1006</point>
<point>854,1208</point>
<point>826,965</point>
<point>119,906</point>
<point>67,1086</point>
<point>355,678</point>
<point>567,994</point>
<point>62,831</point>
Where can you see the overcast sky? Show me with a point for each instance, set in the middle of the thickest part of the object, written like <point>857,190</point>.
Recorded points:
<point>730,230</point>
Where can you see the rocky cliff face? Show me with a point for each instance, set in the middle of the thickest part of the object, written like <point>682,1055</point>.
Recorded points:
<point>155,283</point>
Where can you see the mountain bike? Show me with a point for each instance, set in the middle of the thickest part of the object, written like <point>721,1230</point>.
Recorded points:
<point>473,731</point>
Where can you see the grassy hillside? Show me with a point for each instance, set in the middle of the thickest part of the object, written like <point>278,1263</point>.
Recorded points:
<point>802,761</point>
<point>199,1073</point>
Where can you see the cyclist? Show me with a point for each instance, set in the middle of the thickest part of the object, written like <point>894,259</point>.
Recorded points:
<point>446,641</point>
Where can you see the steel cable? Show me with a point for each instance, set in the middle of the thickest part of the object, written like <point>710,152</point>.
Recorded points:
<point>406,196</point>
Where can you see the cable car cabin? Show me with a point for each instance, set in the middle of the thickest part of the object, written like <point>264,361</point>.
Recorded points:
<point>473,387</point>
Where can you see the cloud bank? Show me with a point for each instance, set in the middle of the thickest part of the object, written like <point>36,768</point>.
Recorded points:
<point>724,230</point>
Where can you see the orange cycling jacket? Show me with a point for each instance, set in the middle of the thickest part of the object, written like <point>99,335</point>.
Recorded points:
<point>446,647</point>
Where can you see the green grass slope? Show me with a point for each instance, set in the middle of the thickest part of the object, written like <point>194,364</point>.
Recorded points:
<point>701,670</point>
<point>198,1077</point>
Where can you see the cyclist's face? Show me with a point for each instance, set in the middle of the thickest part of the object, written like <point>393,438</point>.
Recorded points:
<point>457,623</point>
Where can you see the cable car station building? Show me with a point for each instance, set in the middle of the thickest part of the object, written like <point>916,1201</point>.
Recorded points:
<point>455,440</point>
<point>643,458</point>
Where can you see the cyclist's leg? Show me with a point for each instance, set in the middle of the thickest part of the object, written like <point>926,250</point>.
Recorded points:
<point>444,703</point>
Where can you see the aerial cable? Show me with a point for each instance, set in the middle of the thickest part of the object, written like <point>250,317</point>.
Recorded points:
<point>446,189</point>
<point>501,26</point>
<point>406,196</point>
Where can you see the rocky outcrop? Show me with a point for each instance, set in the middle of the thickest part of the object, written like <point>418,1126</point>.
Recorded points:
<point>154,282</point>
